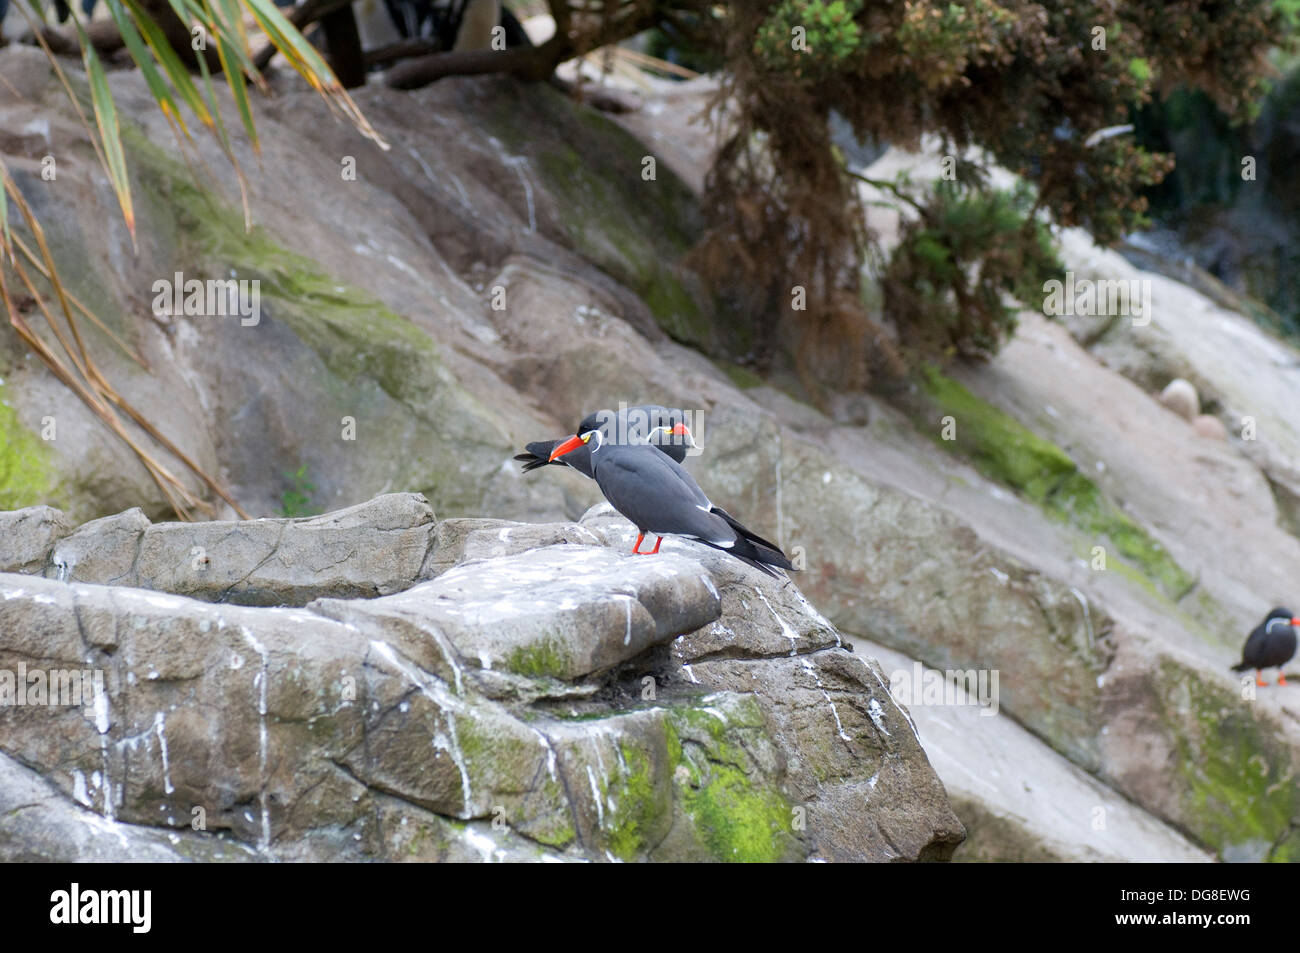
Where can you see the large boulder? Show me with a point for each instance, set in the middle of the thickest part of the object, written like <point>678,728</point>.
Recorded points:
<point>547,696</point>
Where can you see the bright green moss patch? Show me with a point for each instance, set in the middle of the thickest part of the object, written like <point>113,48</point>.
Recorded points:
<point>737,814</point>
<point>547,657</point>
<point>26,474</point>
<point>1006,451</point>
<point>1238,781</point>
<point>638,806</point>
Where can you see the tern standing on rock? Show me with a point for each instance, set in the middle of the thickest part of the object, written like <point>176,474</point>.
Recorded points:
<point>1271,645</point>
<point>661,498</point>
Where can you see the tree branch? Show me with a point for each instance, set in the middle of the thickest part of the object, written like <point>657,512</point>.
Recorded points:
<point>401,50</point>
<point>526,62</point>
<point>886,186</point>
<point>104,37</point>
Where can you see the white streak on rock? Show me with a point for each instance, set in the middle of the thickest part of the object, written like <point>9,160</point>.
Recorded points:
<point>259,682</point>
<point>786,630</point>
<point>160,726</point>
<point>446,742</point>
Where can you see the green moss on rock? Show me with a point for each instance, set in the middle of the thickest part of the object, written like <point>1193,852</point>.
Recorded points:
<point>1237,779</point>
<point>1006,451</point>
<point>742,377</point>
<point>377,364</point>
<point>737,814</point>
<point>548,657</point>
<point>354,334</point>
<point>26,473</point>
<point>639,806</point>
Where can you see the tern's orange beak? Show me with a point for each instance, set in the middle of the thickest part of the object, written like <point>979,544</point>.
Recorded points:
<point>1296,622</point>
<point>573,443</point>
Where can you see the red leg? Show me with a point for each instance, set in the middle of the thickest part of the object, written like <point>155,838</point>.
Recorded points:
<point>1281,677</point>
<point>636,547</point>
<point>1259,679</point>
<point>660,539</point>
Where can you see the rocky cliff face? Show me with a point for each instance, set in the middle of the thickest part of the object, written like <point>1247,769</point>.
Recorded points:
<point>379,684</point>
<point>379,306</point>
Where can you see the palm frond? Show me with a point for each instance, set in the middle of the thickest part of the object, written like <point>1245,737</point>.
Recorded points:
<point>187,101</point>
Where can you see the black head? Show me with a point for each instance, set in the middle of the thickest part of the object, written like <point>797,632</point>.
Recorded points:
<point>663,427</point>
<point>1280,613</point>
<point>631,424</point>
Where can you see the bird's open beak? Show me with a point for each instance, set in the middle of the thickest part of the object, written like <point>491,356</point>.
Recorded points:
<point>1296,622</point>
<point>573,443</point>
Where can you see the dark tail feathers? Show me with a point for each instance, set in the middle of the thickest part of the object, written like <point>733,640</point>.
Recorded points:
<point>754,549</point>
<point>766,555</point>
<point>746,532</point>
<point>536,454</point>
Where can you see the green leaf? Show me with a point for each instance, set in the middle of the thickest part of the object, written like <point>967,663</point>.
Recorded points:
<point>238,90</point>
<point>4,208</point>
<point>109,132</point>
<point>301,54</point>
<point>140,53</point>
<point>180,77</point>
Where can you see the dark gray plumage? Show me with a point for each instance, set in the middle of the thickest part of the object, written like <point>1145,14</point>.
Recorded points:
<point>661,498</point>
<point>1271,645</point>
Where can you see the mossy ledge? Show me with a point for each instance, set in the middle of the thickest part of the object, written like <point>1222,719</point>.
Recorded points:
<point>26,474</point>
<point>354,334</point>
<point>1005,450</point>
<point>1236,777</point>
<point>545,658</point>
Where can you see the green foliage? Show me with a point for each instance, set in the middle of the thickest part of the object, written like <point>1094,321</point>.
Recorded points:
<point>951,37</point>
<point>962,267</point>
<point>1020,83</point>
<point>296,500</point>
<point>809,35</point>
<point>668,42</point>
<point>1289,12</point>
